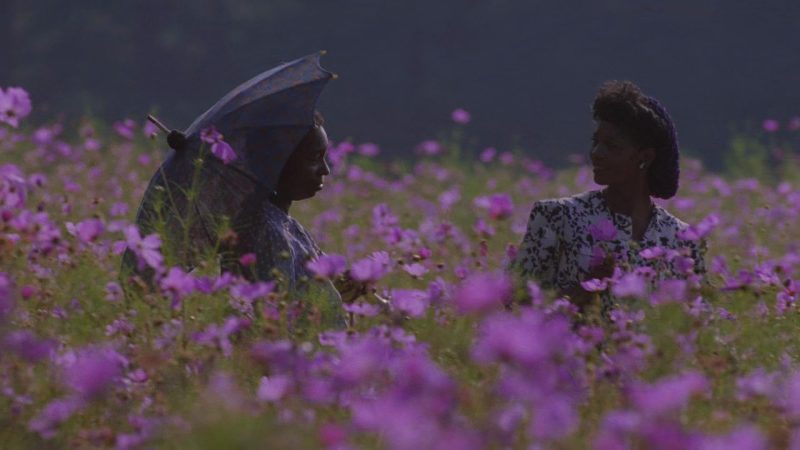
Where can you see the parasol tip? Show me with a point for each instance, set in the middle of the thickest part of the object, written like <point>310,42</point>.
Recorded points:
<point>176,140</point>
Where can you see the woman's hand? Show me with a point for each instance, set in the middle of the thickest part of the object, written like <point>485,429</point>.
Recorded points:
<point>580,296</point>
<point>349,288</point>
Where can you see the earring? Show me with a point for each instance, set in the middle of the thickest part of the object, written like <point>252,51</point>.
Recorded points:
<point>643,165</point>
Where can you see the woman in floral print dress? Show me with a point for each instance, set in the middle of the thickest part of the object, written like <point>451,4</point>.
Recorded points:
<point>635,156</point>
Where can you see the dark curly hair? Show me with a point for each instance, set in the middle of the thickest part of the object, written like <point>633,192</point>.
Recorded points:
<point>648,124</point>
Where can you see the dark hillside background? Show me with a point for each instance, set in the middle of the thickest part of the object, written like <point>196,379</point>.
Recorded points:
<point>526,70</point>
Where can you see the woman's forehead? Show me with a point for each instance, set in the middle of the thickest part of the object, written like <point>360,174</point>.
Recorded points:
<point>610,131</point>
<point>316,140</point>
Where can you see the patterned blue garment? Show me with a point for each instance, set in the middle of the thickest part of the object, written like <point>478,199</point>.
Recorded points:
<point>283,248</point>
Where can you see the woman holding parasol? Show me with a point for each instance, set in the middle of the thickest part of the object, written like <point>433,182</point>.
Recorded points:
<point>268,145</point>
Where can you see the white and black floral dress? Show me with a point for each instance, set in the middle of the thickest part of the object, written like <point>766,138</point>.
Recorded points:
<point>558,244</point>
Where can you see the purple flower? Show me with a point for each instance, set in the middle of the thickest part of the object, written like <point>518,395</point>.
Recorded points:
<point>499,206</point>
<point>460,116</point>
<point>219,147</point>
<point>87,230</point>
<point>146,249</point>
<point>54,414</point>
<point>670,291</point>
<point>210,135</point>
<point>150,130</point>
<point>13,188</point>
<point>272,389</point>
<point>770,125</point>
<point>668,394</point>
<point>630,285</point>
<point>487,155</point>
<point>430,147</point>
<point>603,230</point>
<point>328,266</point>
<point>27,346</point>
<point>15,104</point>
<point>178,284</point>
<point>371,268</point>
<point>594,285</point>
<point>220,334</point>
<point>745,437</point>
<point>93,372</point>
<point>6,299</point>
<point>410,301</point>
<point>757,383</point>
<point>369,149</point>
<point>701,230</point>
<point>363,309</point>
<point>223,151</point>
<point>415,269</point>
<point>482,292</point>
<point>125,128</point>
<point>555,417</point>
<point>652,252</point>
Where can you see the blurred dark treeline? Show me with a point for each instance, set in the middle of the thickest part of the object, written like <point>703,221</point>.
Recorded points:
<point>526,70</point>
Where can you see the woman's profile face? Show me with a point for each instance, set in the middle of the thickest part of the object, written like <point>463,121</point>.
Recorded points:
<point>304,173</point>
<point>615,157</point>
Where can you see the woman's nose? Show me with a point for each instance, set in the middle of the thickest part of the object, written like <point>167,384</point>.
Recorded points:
<point>324,168</point>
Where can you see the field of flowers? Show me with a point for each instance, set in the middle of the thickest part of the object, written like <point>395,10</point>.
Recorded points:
<point>208,360</point>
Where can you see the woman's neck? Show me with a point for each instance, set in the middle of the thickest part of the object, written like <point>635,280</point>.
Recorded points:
<point>282,203</point>
<point>627,199</point>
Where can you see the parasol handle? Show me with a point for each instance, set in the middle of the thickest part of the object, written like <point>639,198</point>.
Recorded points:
<point>175,138</point>
<point>158,123</point>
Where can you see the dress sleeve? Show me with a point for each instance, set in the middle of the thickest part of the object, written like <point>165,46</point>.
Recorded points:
<point>538,253</point>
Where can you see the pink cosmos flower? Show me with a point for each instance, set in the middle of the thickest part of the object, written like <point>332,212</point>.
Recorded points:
<point>506,158</point>
<point>177,284</point>
<point>15,104</point>
<point>328,266</point>
<point>6,297</point>
<point>272,389</point>
<point>125,128</point>
<point>794,124</point>
<point>460,116</point>
<point>603,230</point>
<point>499,206</point>
<point>219,147</point>
<point>594,285</point>
<point>415,269</point>
<point>369,149</point>
<point>630,285</point>
<point>482,292</point>
<point>149,130</point>
<point>429,147</point>
<point>52,415</point>
<point>668,394</point>
<point>86,231</point>
<point>94,371</point>
<point>363,309</point>
<point>371,268</point>
<point>410,301</point>
<point>146,249</point>
<point>487,155</point>
<point>770,125</point>
<point>28,346</point>
<point>13,187</point>
<point>701,229</point>
<point>248,259</point>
